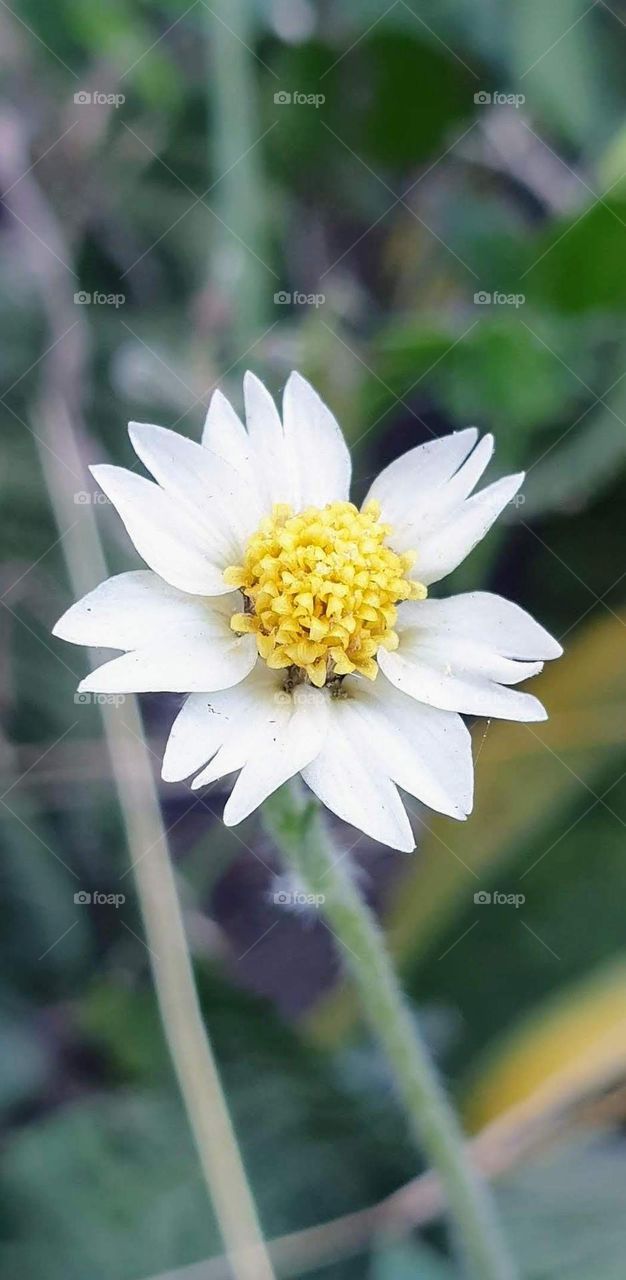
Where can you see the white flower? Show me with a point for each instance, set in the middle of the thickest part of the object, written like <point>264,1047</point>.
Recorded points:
<point>299,625</point>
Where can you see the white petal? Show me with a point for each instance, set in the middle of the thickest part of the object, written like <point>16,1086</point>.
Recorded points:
<point>218,499</point>
<point>129,610</point>
<point>422,673</point>
<point>205,722</point>
<point>424,495</point>
<point>225,435</point>
<point>273,454</point>
<point>163,533</point>
<point>403,486</point>
<point>321,456</point>
<point>446,545</point>
<point>450,496</point>
<point>292,742</point>
<point>195,736</point>
<point>456,656</point>
<point>487,619</point>
<point>259,728</point>
<point>250,719</point>
<point>192,658</point>
<point>350,782</point>
<point>425,751</point>
<point>458,653</point>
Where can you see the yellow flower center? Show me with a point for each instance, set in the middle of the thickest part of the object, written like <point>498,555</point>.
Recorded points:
<point>322,588</point>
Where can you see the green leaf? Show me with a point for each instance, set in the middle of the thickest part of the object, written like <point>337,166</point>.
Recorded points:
<point>283,1093</point>
<point>563,59</point>
<point>578,264</point>
<point>114,1187</point>
<point>581,464</point>
<point>565,1214</point>
<point>114,1182</point>
<point>405,80</point>
<point>407,1261</point>
<point>24,1061</point>
<point>45,938</point>
<point>510,371</point>
<point>409,80</point>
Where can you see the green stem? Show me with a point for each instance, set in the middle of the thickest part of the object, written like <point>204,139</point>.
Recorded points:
<point>187,1036</point>
<point>298,828</point>
<point>239,267</point>
<point>57,418</point>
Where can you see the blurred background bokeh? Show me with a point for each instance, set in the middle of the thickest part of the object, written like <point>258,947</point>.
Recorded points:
<point>422,206</point>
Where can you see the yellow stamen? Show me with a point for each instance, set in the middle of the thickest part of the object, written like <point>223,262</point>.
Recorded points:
<point>323,588</point>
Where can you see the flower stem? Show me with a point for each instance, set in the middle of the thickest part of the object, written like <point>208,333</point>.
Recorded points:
<point>298,829</point>
<point>187,1037</point>
<point>58,419</point>
<point>186,1034</point>
<point>239,272</point>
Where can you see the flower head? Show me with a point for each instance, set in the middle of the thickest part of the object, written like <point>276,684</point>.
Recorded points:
<point>299,625</point>
<point>322,589</point>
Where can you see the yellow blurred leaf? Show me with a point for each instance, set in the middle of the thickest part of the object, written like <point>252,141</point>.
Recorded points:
<point>574,1043</point>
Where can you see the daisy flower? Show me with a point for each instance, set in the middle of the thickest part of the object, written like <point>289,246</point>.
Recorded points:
<point>301,626</point>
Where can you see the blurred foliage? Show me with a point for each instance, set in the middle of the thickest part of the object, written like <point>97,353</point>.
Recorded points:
<point>565,1213</point>
<point>403,202</point>
<point>578,1040</point>
<point>140,1203</point>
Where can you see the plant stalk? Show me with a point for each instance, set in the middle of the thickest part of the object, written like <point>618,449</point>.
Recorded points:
<point>185,1032</point>
<point>57,428</point>
<point>239,270</point>
<point>298,829</point>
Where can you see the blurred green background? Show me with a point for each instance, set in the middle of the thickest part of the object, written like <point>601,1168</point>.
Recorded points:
<point>422,206</point>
